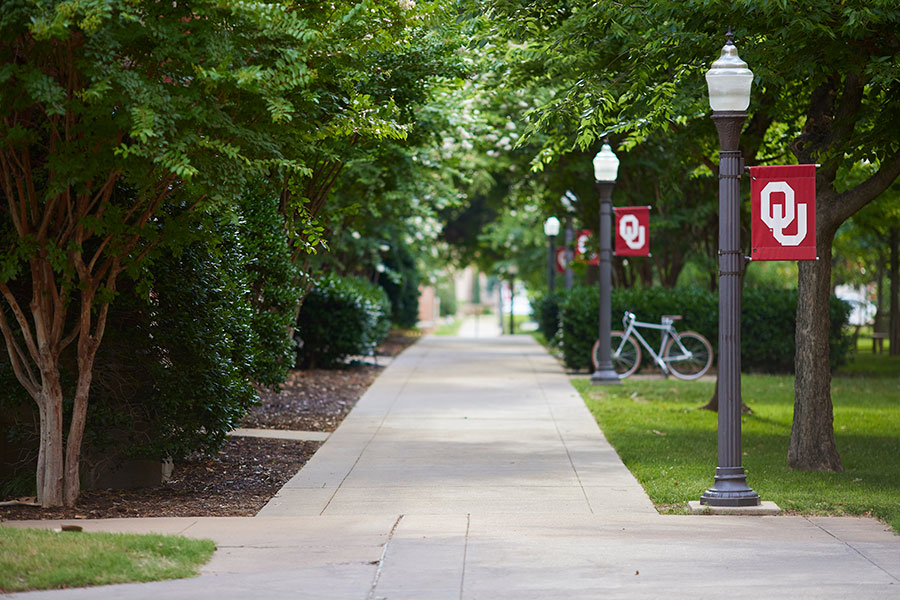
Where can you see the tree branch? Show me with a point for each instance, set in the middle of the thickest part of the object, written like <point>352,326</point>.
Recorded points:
<point>19,361</point>
<point>20,319</point>
<point>849,202</point>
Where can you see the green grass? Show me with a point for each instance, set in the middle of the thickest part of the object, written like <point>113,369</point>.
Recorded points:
<point>866,364</point>
<point>518,322</point>
<point>32,559</point>
<point>450,327</point>
<point>670,445</point>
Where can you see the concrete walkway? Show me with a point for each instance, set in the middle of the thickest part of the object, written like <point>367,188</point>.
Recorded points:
<point>472,470</point>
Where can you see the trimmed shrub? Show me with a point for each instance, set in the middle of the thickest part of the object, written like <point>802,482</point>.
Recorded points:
<point>341,317</point>
<point>768,319</point>
<point>172,375</point>
<point>769,327</point>
<point>401,282</point>
<point>189,333</point>
<point>546,313</point>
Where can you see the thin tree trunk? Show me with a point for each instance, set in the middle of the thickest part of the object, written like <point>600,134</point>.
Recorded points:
<point>87,351</point>
<point>812,445</point>
<point>50,474</point>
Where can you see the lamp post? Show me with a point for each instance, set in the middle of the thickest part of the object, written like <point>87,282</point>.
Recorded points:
<point>568,201</point>
<point>606,166</point>
<point>512,270</point>
<point>551,230</point>
<point>729,82</point>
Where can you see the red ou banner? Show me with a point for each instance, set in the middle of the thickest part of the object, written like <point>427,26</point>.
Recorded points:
<point>632,230</point>
<point>783,212</point>
<point>561,259</point>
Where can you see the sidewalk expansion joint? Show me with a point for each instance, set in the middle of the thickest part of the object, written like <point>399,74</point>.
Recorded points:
<point>462,578</point>
<point>857,550</point>
<point>384,551</point>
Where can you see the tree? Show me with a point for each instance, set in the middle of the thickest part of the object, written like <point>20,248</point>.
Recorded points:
<point>827,83</point>
<point>110,112</point>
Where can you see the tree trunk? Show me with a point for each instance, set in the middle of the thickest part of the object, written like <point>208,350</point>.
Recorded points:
<point>812,444</point>
<point>87,351</point>
<point>50,478</point>
<point>894,327</point>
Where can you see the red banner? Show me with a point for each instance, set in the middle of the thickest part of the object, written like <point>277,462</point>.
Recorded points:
<point>632,230</point>
<point>561,259</point>
<point>783,212</point>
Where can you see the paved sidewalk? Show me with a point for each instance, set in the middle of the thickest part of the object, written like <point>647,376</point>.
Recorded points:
<point>472,470</point>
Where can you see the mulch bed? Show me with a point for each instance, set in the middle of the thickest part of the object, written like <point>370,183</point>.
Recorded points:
<point>246,472</point>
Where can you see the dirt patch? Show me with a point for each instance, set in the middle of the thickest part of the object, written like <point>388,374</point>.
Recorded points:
<point>246,472</point>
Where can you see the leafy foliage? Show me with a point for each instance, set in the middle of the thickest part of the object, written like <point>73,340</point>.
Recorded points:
<point>341,317</point>
<point>400,281</point>
<point>186,342</point>
<point>547,313</point>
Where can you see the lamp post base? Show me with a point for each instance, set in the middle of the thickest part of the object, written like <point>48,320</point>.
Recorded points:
<point>730,489</point>
<point>605,376</point>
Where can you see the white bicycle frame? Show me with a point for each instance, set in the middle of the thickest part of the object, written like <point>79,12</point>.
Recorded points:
<point>631,324</point>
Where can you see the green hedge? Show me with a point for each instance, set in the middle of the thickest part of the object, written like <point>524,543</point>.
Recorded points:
<point>341,317</point>
<point>770,314</point>
<point>546,313</point>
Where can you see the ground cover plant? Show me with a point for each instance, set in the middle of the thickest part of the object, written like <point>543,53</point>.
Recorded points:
<point>32,559</point>
<point>669,444</point>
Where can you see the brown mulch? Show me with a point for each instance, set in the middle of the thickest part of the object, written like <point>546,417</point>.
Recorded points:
<point>246,472</point>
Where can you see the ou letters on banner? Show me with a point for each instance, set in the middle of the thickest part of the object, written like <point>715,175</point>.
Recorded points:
<point>783,212</point>
<point>632,230</point>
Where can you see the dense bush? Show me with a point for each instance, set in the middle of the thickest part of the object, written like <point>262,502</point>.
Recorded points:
<point>272,278</point>
<point>768,319</point>
<point>186,341</point>
<point>341,317</point>
<point>768,334</point>
<point>546,313</point>
<point>187,336</point>
<point>401,282</point>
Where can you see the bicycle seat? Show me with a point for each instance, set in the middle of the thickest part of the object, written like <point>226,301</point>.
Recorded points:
<point>673,317</point>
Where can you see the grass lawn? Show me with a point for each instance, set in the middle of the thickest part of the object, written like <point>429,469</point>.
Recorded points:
<point>32,559</point>
<point>450,327</point>
<point>670,445</point>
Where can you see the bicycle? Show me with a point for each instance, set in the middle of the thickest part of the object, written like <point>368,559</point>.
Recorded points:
<point>687,355</point>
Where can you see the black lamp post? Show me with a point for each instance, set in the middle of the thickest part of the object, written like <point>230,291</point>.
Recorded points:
<point>551,230</point>
<point>568,201</point>
<point>729,82</point>
<point>512,270</point>
<point>606,167</point>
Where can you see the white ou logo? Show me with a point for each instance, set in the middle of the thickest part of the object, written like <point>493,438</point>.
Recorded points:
<point>630,230</point>
<point>779,217</point>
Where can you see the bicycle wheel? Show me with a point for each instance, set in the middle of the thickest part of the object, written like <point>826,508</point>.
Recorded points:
<point>691,358</point>
<point>625,354</point>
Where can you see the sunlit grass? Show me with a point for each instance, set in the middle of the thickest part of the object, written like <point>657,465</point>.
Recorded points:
<point>32,559</point>
<point>670,445</point>
<point>864,362</point>
<point>449,327</point>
